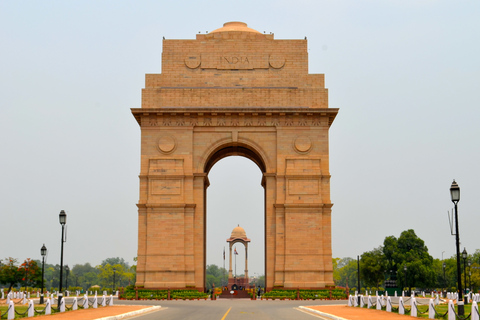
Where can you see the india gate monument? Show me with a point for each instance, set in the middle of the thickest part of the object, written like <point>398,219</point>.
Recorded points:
<point>234,92</point>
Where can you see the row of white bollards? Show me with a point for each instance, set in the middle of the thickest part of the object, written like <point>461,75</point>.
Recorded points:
<point>358,301</point>
<point>50,301</point>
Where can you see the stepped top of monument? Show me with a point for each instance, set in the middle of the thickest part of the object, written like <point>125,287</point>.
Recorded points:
<point>235,66</point>
<point>235,26</point>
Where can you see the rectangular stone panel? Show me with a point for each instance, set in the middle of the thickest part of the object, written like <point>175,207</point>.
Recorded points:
<point>165,166</point>
<point>303,167</point>
<point>166,186</point>
<point>303,186</point>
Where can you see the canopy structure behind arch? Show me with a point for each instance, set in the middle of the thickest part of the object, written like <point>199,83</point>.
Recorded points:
<point>238,236</point>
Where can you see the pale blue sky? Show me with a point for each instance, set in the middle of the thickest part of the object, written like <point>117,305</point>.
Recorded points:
<point>405,75</point>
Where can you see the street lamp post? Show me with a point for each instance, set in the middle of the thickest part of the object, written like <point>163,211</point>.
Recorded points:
<point>444,279</point>
<point>43,252</point>
<point>113,290</point>
<point>405,273</point>
<point>358,278</point>
<point>27,264</point>
<point>464,256</point>
<point>455,195</point>
<point>63,220</point>
<point>67,272</point>
<point>470,275</point>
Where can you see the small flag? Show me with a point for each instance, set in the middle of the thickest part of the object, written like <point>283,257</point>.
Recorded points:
<point>235,252</point>
<point>223,253</point>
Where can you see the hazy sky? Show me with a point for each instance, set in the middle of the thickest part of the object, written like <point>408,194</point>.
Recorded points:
<point>405,75</point>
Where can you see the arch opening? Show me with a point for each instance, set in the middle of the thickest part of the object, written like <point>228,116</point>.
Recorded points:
<point>234,150</point>
<point>235,197</point>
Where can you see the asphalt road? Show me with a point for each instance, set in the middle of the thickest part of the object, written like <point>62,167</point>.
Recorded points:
<point>229,309</point>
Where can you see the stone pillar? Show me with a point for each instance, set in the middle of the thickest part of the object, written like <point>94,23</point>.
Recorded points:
<point>246,265</point>
<point>230,271</point>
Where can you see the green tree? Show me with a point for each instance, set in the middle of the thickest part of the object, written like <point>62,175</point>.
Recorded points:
<point>410,251</point>
<point>261,281</point>
<point>336,274</point>
<point>214,275</point>
<point>372,267</point>
<point>10,274</point>
<point>85,275</point>
<point>115,261</point>
<point>106,277</point>
<point>347,272</point>
<point>30,272</point>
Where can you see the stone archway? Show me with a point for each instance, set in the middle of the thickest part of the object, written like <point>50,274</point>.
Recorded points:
<point>234,91</point>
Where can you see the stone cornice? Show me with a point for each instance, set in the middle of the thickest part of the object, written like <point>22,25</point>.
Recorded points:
<point>233,116</point>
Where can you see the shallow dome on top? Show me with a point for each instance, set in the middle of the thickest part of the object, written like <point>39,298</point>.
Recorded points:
<point>235,26</point>
<point>238,232</point>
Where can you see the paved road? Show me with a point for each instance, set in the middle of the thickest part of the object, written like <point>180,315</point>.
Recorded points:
<point>226,309</point>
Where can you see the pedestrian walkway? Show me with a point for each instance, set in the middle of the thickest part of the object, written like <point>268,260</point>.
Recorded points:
<point>110,313</point>
<point>351,313</point>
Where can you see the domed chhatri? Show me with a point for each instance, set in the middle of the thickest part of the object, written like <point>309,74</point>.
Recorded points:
<point>238,233</point>
<point>238,236</point>
<point>235,26</point>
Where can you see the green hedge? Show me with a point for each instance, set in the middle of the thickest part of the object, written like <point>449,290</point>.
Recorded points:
<point>336,294</point>
<point>130,294</point>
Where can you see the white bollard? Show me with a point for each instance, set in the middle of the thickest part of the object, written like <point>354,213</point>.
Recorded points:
<point>451,311</point>
<point>475,311</point>
<point>401,307</point>
<point>62,305</point>
<point>437,300</point>
<point>95,303</point>
<point>379,303</point>
<point>413,310</point>
<point>349,301</point>
<point>30,308</point>
<point>362,303</point>
<point>103,301</point>
<point>389,304</point>
<point>369,302</point>
<point>355,302</point>
<point>75,304</point>
<point>110,303</point>
<point>8,299</point>
<point>11,311</point>
<point>431,309</point>
<point>85,301</point>
<point>395,293</point>
<point>48,307</point>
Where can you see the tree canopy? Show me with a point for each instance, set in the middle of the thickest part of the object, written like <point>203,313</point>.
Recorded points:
<point>388,262</point>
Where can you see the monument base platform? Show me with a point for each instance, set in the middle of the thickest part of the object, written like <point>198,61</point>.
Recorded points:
<point>234,294</point>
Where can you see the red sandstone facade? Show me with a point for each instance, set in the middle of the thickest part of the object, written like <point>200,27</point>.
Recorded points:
<point>234,91</point>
